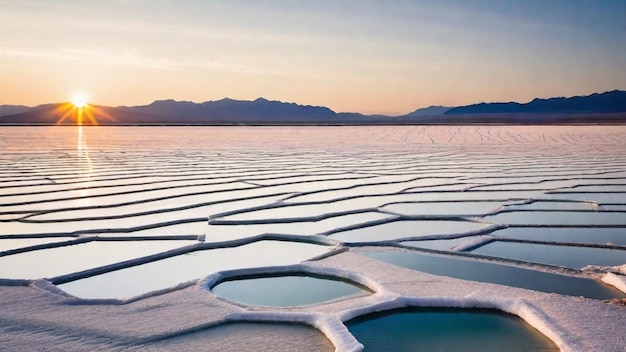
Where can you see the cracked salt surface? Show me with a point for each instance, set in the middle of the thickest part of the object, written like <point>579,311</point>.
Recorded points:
<point>560,185</point>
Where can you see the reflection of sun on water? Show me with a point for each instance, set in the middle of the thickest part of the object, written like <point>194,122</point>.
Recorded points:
<point>82,152</point>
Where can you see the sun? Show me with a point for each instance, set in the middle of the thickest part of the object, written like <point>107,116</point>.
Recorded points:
<point>79,111</point>
<point>79,100</point>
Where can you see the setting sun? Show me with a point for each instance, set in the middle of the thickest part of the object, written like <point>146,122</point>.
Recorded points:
<point>80,112</point>
<point>79,100</point>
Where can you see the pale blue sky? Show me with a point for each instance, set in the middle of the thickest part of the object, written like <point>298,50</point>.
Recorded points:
<point>366,56</point>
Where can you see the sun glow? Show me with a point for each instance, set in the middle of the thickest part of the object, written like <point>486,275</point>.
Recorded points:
<point>78,111</point>
<point>79,100</point>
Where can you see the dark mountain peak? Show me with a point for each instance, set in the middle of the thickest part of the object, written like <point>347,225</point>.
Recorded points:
<point>13,109</point>
<point>224,100</point>
<point>229,110</point>
<point>432,110</point>
<point>168,102</point>
<point>608,102</point>
<point>614,92</point>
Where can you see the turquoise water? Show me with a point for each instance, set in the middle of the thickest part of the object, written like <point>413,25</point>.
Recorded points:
<point>286,291</point>
<point>447,330</point>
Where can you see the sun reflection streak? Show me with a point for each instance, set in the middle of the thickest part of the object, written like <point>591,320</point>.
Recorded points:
<point>82,149</point>
<point>82,154</point>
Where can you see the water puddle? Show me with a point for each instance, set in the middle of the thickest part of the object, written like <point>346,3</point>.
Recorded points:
<point>51,262</point>
<point>544,205</point>
<point>609,188</point>
<point>573,234</point>
<point>570,218</point>
<point>602,198</point>
<point>573,257</point>
<point>402,229</point>
<point>474,270</point>
<point>287,290</point>
<point>446,208</point>
<point>447,330</point>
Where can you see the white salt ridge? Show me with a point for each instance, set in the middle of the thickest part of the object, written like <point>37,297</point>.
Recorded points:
<point>390,300</point>
<point>211,280</point>
<point>618,281</point>
<point>475,243</point>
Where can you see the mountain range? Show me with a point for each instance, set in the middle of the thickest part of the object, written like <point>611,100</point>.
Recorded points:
<point>608,107</point>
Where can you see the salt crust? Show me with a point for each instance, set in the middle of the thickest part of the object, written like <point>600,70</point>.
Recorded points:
<point>475,243</point>
<point>618,281</point>
<point>572,323</point>
<point>575,324</point>
<point>387,300</point>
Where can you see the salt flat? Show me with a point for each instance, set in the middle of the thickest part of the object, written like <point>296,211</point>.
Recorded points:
<point>179,193</point>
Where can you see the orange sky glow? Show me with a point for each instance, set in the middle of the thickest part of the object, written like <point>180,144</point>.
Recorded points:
<point>369,56</point>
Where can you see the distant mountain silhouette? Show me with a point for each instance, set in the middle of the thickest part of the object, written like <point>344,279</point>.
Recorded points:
<point>66,114</point>
<point>229,110</point>
<point>225,111</point>
<point>609,107</point>
<point>609,102</point>
<point>433,110</point>
<point>13,109</point>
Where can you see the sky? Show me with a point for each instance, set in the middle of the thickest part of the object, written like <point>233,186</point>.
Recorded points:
<point>368,56</point>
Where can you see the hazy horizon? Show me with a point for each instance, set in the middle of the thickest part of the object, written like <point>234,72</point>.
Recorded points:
<point>351,56</point>
<point>69,102</point>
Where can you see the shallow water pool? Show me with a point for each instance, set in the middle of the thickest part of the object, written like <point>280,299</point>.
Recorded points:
<point>447,330</point>
<point>287,291</point>
<point>569,256</point>
<point>495,273</point>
